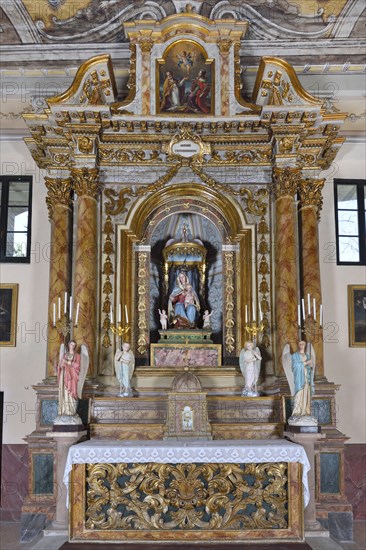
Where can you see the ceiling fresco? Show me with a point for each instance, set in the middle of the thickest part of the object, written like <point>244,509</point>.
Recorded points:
<point>85,21</point>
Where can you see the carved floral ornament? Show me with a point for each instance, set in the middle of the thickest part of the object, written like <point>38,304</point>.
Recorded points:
<point>59,193</point>
<point>86,182</point>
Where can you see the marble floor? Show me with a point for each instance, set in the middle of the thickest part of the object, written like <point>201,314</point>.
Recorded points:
<point>10,534</point>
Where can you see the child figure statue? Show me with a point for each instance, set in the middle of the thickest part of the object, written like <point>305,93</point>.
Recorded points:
<point>250,365</point>
<point>207,320</point>
<point>163,319</point>
<point>124,363</point>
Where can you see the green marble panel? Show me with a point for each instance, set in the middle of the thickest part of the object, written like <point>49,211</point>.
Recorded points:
<point>43,474</point>
<point>329,473</point>
<point>320,408</point>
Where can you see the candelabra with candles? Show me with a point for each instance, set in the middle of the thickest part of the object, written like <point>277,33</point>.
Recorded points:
<point>64,322</point>
<point>310,326</point>
<point>252,327</point>
<point>117,328</point>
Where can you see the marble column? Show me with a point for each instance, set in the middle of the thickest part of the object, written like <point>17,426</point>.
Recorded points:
<point>59,207</point>
<point>224,47</point>
<point>286,261</point>
<point>145,44</point>
<point>87,187</point>
<point>310,191</point>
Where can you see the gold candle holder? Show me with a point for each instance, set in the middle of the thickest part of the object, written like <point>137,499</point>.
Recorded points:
<point>119,330</point>
<point>254,329</point>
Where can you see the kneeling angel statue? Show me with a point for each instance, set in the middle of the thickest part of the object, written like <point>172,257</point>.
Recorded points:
<point>71,373</point>
<point>299,368</point>
<point>124,364</point>
<point>250,360</point>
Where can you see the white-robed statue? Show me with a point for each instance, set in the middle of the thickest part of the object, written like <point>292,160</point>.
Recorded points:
<point>71,373</point>
<point>124,364</point>
<point>250,360</point>
<point>299,368</point>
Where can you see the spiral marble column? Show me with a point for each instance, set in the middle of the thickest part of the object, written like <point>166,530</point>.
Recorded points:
<point>310,191</point>
<point>59,207</point>
<point>87,187</point>
<point>286,261</point>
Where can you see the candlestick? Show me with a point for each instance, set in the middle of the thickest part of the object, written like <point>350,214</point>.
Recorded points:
<point>70,308</point>
<point>309,309</point>
<point>59,307</point>
<point>299,315</point>
<point>65,304</point>
<point>303,308</point>
<point>314,308</point>
<point>54,314</point>
<point>321,315</point>
<point>119,313</point>
<point>246,313</point>
<point>111,315</point>
<point>253,311</point>
<point>260,312</point>
<point>126,314</point>
<point>77,313</point>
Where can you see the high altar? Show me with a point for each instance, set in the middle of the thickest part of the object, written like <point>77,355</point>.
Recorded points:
<point>183,177</point>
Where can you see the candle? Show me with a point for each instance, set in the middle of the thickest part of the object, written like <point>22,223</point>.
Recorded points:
<point>299,315</point>
<point>54,314</point>
<point>314,308</point>
<point>321,315</point>
<point>70,308</point>
<point>303,308</point>
<point>119,313</point>
<point>253,311</point>
<point>65,304</point>
<point>309,309</point>
<point>111,315</point>
<point>260,312</point>
<point>246,313</point>
<point>126,314</point>
<point>77,313</point>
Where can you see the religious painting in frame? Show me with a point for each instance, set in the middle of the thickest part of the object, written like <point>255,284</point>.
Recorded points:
<point>8,314</point>
<point>185,80</point>
<point>357,315</point>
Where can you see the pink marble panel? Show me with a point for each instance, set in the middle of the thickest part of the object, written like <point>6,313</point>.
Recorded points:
<point>355,478</point>
<point>14,480</point>
<point>186,357</point>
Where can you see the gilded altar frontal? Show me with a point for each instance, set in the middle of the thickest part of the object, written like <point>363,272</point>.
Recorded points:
<point>185,165</point>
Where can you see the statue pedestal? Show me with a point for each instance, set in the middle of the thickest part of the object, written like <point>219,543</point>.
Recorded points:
<point>64,441</point>
<point>185,348</point>
<point>308,440</point>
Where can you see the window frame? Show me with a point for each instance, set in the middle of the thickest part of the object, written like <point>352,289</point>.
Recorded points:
<point>361,218</point>
<point>4,211</point>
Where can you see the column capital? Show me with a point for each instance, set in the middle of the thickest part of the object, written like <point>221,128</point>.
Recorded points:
<point>310,191</point>
<point>86,182</point>
<point>145,44</point>
<point>59,193</point>
<point>285,182</point>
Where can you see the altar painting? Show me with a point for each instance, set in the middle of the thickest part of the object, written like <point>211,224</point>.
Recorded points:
<point>185,81</point>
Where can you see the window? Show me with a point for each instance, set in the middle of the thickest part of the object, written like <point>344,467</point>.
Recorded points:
<point>350,211</point>
<point>15,218</point>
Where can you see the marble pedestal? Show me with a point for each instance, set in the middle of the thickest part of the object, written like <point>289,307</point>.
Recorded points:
<point>308,440</point>
<point>64,441</point>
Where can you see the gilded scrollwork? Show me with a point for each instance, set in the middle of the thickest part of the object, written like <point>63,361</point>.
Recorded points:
<point>142,302</point>
<point>187,496</point>
<point>285,181</point>
<point>59,192</point>
<point>229,290</point>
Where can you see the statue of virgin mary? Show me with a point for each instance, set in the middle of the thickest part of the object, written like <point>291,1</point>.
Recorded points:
<point>183,303</point>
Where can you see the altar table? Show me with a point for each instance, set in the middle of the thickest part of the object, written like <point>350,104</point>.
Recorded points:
<point>187,491</point>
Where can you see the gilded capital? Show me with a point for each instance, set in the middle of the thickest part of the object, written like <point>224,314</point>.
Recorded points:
<point>146,44</point>
<point>59,193</point>
<point>310,191</point>
<point>285,182</point>
<point>86,182</point>
<point>224,45</point>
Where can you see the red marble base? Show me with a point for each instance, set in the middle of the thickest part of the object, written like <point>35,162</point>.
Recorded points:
<point>14,480</point>
<point>355,480</point>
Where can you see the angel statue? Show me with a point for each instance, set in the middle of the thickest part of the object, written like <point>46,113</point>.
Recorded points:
<point>299,368</point>
<point>124,364</point>
<point>71,373</point>
<point>250,365</point>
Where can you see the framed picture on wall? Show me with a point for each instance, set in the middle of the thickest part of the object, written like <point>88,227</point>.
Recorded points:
<point>357,315</point>
<point>8,314</point>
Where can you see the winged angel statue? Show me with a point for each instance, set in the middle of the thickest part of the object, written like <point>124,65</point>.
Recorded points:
<point>299,368</point>
<point>71,373</point>
<point>250,361</point>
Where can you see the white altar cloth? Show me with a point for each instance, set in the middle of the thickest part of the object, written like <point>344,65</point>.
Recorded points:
<point>180,452</point>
